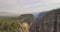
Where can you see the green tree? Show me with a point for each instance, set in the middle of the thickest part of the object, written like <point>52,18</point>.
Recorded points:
<point>8,25</point>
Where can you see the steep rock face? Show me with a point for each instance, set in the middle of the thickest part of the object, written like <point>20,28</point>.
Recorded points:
<point>38,19</point>
<point>29,20</point>
<point>50,21</point>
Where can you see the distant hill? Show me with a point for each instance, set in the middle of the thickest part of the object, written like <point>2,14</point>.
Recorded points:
<point>8,14</point>
<point>36,15</point>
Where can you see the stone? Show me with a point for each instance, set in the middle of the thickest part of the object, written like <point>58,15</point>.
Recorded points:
<point>27,21</point>
<point>50,22</point>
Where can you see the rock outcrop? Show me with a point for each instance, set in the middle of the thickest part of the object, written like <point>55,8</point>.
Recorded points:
<point>50,21</point>
<point>29,21</point>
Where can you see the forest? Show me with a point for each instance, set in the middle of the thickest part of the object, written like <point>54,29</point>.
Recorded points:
<point>23,23</point>
<point>8,25</point>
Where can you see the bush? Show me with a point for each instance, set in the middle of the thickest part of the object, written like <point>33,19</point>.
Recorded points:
<point>8,25</point>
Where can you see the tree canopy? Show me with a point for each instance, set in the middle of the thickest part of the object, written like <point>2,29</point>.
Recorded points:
<point>8,25</point>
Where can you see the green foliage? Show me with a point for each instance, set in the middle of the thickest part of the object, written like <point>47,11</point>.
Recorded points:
<point>8,25</point>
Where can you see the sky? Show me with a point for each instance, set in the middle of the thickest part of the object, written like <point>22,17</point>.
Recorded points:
<point>18,7</point>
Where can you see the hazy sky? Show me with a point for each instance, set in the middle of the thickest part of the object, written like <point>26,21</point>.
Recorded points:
<point>12,7</point>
